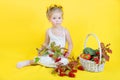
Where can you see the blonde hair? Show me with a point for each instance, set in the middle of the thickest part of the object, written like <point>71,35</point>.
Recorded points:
<point>53,8</point>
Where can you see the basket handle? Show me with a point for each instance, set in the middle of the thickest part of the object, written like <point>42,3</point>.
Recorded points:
<point>91,34</point>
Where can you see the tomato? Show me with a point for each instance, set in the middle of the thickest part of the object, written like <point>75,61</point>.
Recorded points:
<point>87,56</point>
<point>96,59</point>
<point>97,52</point>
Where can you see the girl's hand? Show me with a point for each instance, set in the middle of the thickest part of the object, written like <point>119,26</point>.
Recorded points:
<point>66,54</point>
<point>39,54</point>
<point>38,51</point>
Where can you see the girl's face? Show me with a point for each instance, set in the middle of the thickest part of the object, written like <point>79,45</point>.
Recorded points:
<point>56,18</point>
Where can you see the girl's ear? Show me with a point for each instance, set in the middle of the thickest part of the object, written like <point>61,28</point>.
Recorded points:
<point>49,19</point>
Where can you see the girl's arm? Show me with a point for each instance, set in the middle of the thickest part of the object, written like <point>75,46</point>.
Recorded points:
<point>46,42</point>
<point>69,40</point>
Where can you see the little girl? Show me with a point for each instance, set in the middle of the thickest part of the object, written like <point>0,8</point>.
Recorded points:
<point>56,34</point>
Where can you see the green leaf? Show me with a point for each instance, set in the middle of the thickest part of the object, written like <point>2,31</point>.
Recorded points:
<point>37,59</point>
<point>52,44</point>
<point>46,53</point>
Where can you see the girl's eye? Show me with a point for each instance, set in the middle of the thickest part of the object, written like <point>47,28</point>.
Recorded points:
<point>54,18</point>
<point>59,18</point>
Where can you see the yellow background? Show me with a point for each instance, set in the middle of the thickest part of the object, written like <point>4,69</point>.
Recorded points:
<point>22,29</point>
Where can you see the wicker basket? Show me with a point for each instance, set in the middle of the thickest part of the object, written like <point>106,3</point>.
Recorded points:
<point>91,65</point>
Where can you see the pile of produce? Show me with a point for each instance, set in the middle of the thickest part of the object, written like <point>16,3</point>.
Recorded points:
<point>94,54</point>
<point>68,70</point>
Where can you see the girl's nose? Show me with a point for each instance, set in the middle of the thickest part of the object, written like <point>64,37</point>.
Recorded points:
<point>57,20</point>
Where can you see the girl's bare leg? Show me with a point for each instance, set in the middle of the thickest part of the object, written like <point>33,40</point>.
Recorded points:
<point>24,63</point>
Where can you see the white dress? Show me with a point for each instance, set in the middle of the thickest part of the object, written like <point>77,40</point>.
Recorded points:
<point>48,61</point>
